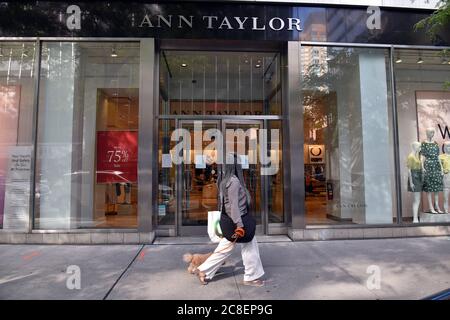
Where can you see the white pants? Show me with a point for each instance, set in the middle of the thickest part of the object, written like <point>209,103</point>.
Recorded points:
<point>250,257</point>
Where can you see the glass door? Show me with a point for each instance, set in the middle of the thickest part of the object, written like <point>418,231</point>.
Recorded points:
<point>241,137</point>
<point>197,177</point>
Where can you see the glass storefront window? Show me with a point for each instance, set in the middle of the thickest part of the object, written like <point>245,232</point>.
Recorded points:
<point>86,174</point>
<point>348,150</point>
<point>17,82</point>
<point>220,83</point>
<point>422,82</point>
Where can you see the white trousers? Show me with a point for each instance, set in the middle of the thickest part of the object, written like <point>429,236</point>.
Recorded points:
<point>250,257</point>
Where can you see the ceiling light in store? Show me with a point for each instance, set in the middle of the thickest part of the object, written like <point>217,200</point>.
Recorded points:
<point>113,53</point>
<point>184,65</point>
<point>257,66</point>
<point>246,61</point>
<point>398,60</point>
<point>115,94</point>
<point>420,60</point>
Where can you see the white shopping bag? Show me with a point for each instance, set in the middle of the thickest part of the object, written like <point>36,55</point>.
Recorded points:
<point>214,231</point>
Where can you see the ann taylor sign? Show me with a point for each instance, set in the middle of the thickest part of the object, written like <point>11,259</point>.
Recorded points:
<point>219,23</point>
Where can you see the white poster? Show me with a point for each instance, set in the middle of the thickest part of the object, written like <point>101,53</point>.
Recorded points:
<point>161,210</point>
<point>17,191</point>
<point>244,161</point>
<point>200,161</point>
<point>167,160</point>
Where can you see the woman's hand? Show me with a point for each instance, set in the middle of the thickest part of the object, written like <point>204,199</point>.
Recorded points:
<point>238,233</point>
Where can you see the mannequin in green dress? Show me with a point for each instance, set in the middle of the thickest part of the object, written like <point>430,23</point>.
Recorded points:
<point>432,170</point>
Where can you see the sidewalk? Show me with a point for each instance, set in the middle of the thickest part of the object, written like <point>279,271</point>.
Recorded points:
<point>410,269</point>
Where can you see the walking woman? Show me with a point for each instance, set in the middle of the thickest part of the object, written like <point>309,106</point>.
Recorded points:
<point>235,198</point>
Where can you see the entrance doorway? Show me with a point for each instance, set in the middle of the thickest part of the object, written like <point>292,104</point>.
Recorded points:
<point>231,91</point>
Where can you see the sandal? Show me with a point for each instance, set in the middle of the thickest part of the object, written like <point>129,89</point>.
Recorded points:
<point>202,277</point>
<point>254,283</point>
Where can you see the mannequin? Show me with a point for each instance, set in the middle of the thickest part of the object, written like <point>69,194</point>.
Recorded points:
<point>211,163</point>
<point>432,170</point>
<point>415,177</point>
<point>445,161</point>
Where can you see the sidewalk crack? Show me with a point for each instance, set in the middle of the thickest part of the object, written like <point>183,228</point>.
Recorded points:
<point>123,273</point>
<point>237,286</point>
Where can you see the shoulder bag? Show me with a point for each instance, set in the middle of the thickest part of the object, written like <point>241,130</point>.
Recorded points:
<point>228,226</point>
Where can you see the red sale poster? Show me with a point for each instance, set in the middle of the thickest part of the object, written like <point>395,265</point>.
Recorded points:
<point>117,154</point>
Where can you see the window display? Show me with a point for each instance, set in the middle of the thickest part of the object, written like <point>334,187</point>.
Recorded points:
<point>423,105</point>
<point>87,135</point>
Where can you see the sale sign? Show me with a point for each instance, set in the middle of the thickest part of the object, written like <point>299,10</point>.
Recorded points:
<point>117,154</point>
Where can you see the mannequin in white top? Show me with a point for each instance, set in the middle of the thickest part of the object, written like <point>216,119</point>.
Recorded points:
<point>414,178</point>
<point>430,134</point>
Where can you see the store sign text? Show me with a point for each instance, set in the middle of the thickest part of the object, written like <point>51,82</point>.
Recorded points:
<point>218,23</point>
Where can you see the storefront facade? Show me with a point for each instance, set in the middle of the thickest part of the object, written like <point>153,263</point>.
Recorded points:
<point>116,119</point>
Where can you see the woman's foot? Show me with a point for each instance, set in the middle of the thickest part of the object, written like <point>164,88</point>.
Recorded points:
<point>202,277</point>
<point>254,283</point>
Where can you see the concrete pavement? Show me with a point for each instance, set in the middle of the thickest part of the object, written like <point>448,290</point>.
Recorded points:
<point>408,269</point>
